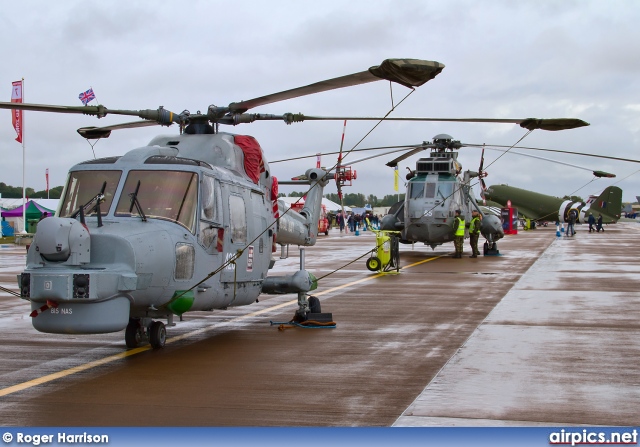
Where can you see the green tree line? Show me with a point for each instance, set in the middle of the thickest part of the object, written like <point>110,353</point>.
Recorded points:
<point>15,192</point>
<point>356,199</point>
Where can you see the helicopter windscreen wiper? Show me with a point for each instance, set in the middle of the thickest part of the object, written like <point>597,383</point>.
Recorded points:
<point>98,198</point>
<point>136,203</point>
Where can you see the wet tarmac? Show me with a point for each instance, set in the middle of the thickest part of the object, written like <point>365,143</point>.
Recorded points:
<point>545,334</point>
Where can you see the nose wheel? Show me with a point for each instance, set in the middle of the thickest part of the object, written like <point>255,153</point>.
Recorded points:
<point>491,249</point>
<point>137,333</point>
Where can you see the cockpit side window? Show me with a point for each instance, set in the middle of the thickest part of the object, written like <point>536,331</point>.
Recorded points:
<point>210,212</point>
<point>417,190</point>
<point>83,186</point>
<point>209,200</point>
<point>445,190</point>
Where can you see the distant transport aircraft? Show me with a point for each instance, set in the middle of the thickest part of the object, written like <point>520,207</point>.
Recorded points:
<point>541,207</point>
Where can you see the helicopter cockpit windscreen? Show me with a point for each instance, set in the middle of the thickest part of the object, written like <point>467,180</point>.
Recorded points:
<point>169,195</point>
<point>430,191</point>
<point>84,186</point>
<point>445,190</point>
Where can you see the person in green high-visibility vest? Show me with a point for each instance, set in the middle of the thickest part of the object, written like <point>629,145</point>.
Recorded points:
<point>474,233</point>
<point>458,233</point>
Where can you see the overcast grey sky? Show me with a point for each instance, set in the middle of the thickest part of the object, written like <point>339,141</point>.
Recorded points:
<point>503,59</point>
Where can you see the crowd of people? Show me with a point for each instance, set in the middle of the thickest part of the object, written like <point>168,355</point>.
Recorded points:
<point>595,224</point>
<point>351,222</point>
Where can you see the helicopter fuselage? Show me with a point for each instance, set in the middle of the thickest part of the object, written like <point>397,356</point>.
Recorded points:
<point>429,208</point>
<point>434,193</point>
<point>155,225</point>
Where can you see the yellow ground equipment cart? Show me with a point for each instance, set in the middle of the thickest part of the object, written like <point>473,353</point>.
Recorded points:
<point>386,255</point>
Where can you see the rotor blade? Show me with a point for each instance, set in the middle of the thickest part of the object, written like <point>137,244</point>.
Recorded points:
<point>596,173</point>
<point>481,161</point>
<point>393,163</point>
<point>351,162</point>
<point>408,72</point>
<point>302,157</point>
<point>93,133</point>
<point>558,151</point>
<point>527,123</point>
<point>88,110</point>
<point>552,124</point>
<point>160,115</point>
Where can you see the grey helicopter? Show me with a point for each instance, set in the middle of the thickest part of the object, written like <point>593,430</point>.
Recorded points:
<point>437,187</point>
<point>188,222</point>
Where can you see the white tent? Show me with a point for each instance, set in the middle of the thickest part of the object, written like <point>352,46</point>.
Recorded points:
<point>331,206</point>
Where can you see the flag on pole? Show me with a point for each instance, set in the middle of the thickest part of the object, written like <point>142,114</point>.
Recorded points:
<point>87,97</point>
<point>396,175</point>
<point>46,176</point>
<point>16,116</point>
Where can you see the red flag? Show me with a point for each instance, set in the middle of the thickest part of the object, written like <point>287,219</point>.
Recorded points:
<point>16,96</point>
<point>46,175</point>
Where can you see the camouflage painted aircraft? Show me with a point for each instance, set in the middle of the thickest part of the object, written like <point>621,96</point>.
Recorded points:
<point>540,207</point>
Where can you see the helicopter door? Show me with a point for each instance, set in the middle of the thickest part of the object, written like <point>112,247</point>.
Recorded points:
<point>235,238</point>
<point>261,251</point>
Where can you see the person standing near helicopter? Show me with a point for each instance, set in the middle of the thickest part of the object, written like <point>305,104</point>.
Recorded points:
<point>458,233</point>
<point>599,224</point>
<point>474,233</point>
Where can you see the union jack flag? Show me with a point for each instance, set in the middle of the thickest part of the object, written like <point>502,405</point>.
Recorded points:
<point>87,97</point>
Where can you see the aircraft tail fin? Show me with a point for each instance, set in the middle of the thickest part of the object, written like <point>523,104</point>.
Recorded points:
<point>609,204</point>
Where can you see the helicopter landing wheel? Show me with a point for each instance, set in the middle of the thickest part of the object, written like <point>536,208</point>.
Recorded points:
<point>314,305</point>
<point>133,334</point>
<point>157,335</point>
<point>373,264</point>
<point>485,248</point>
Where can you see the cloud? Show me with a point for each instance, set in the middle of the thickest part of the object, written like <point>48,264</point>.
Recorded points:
<point>503,59</point>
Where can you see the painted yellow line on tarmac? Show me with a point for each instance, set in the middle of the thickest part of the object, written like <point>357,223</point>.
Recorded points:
<point>70,371</point>
<point>112,358</point>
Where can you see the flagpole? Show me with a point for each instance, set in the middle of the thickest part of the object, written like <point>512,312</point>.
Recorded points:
<point>24,207</point>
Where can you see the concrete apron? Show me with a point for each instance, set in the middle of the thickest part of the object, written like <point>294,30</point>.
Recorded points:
<point>560,348</point>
